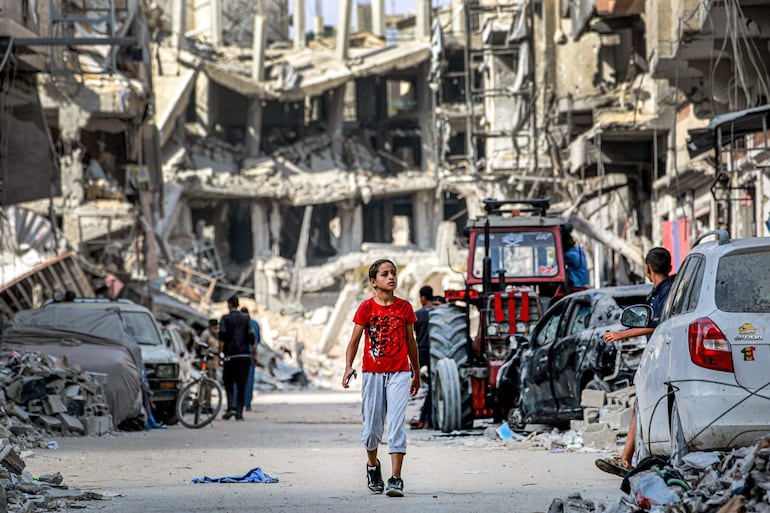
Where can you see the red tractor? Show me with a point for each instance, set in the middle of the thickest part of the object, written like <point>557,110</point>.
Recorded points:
<point>515,267</point>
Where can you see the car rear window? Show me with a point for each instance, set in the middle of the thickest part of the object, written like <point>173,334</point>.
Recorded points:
<point>743,282</point>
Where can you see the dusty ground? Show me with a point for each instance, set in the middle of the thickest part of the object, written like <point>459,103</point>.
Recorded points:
<point>309,440</point>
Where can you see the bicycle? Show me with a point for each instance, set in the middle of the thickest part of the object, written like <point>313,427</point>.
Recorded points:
<point>200,401</point>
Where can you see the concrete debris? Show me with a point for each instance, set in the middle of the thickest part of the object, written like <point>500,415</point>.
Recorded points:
<point>43,395</point>
<point>735,481</point>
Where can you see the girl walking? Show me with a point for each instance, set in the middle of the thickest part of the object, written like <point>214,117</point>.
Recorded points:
<point>390,372</point>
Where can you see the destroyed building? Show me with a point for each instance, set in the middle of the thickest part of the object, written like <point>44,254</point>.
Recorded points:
<point>244,154</point>
<point>79,156</point>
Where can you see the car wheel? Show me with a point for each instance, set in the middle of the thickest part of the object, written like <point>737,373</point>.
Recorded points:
<point>447,408</point>
<point>679,447</point>
<point>641,450</point>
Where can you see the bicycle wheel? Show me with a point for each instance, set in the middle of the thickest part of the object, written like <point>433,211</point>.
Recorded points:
<point>199,403</point>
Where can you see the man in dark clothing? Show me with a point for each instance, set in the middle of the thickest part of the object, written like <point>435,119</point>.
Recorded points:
<point>422,334</point>
<point>237,345</point>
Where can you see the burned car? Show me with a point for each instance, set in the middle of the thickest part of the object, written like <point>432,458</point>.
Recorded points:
<point>543,380</point>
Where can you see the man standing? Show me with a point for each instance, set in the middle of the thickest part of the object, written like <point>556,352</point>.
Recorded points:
<point>422,333</point>
<point>237,346</point>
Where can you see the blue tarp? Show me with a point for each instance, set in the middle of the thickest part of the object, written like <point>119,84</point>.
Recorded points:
<point>254,475</point>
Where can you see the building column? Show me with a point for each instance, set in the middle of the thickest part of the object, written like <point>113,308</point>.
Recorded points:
<point>318,26</point>
<point>425,118</point>
<point>351,228</point>
<point>258,48</point>
<point>216,22</point>
<point>178,24</point>
<point>204,106</point>
<point>254,128</point>
<point>336,117</point>
<point>422,20</point>
<point>458,18</point>
<point>378,18</point>
<point>260,230</point>
<point>343,29</point>
<point>299,24</point>
<point>423,222</point>
<point>276,223</point>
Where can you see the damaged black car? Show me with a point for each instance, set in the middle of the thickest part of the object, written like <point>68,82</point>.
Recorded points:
<point>543,380</point>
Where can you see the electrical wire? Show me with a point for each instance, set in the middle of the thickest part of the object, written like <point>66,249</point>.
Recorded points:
<point>672,391</point>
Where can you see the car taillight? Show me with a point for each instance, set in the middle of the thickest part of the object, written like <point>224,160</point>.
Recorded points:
<point>709,347</point>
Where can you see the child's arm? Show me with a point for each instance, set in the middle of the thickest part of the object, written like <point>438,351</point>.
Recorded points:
<point>350,354</point>
<point>414,360</point>
<point>614,336</point>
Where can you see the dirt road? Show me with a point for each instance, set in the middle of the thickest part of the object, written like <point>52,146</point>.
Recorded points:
<point>310,441</point>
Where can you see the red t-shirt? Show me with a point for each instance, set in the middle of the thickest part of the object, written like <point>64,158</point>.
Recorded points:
<point>385,348</point>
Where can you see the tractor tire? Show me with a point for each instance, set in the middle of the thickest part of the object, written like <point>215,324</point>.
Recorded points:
<point>448,338</point>
<point>447,407</point>
<point>448,334</point>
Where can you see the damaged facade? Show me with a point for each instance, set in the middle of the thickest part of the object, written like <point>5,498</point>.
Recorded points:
<point>79,146</point>
<point>242,155</point>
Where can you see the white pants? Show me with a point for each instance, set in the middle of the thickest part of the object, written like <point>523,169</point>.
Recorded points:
<point>384,396</point>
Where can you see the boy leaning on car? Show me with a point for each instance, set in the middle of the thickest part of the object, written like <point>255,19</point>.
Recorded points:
<point>657,266</point>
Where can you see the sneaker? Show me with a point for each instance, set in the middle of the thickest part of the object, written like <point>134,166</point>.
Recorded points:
<point>228,414</point>
<point>395,487</point>
<point>374,478</point>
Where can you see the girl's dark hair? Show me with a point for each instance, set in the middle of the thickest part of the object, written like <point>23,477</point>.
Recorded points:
<point>376,265</point>
<point>659,260</point>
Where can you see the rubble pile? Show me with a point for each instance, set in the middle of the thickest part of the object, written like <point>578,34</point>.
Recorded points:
<point>736,481</point>
<point>40,394</point>
<point>21,492</point>
<point>605,416</point>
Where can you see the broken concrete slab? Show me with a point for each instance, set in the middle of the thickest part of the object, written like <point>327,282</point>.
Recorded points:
<point>53,404</point>
<point>593,398</point>
<point>70,423</point>
<point>95,425</point>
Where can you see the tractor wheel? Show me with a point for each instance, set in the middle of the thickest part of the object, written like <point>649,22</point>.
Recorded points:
<point>448,338</point>
<point>446,396</point>
<point>448,334</point>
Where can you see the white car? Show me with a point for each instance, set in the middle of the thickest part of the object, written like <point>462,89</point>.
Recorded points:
<point>704,379</point>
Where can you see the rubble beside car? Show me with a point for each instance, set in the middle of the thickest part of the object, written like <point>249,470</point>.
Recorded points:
<point>545,378</point>
<point>733,481</point>
<point>43,395</point>
<point>88,332</point>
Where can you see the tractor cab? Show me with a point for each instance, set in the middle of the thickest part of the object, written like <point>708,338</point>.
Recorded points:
<point>515,268</point>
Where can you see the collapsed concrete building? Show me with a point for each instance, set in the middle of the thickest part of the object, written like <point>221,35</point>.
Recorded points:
<point>79,156</point>
<point>251,156</point>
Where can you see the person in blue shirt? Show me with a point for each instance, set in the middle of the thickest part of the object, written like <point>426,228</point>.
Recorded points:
<point>250,383</point>
<point>574,260</point>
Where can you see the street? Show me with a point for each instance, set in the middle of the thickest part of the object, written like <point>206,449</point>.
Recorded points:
<point>310,442</point>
